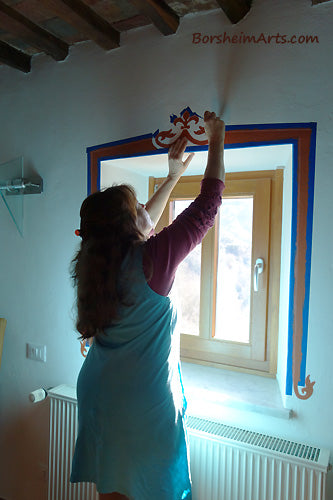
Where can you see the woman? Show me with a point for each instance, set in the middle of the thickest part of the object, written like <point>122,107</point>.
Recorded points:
<point>132,440</point>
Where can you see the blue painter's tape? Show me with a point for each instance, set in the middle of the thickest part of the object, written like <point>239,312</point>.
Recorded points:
<point>271,126</point>
<point>305,312</point>
<point>99,175</point>
<point>289,380</point>
<point>257,144</point>
<point>89,176</point>
<point>228,127</point>
<point>243,145</point>
<point>309,227</point>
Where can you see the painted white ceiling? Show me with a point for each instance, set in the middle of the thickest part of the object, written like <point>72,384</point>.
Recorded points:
<point>236,160</point>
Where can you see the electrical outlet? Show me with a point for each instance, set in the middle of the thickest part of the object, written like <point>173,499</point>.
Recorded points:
<point>36,352</point>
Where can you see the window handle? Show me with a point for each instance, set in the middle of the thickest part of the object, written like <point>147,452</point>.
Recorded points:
<point>258,269</point>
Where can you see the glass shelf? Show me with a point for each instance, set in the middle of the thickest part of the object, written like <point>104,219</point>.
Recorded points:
<point>13,196</point>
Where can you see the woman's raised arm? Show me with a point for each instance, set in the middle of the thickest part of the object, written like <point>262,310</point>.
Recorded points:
<point>177,167</point>
<point>215,131</point>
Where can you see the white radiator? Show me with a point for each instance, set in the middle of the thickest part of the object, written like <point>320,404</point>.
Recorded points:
<point>63,431</point>
<point>227,463</point>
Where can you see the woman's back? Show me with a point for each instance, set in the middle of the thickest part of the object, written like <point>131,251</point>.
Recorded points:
<point>130,397</point>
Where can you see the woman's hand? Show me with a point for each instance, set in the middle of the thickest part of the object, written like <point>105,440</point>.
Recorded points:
<point>214,127</point>
<point>215,130</point>
<point>175,158</point>
<point>177,167</point>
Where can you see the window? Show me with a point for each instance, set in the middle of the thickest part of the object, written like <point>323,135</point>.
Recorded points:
<point>295,250</point>
<point>229,309</point>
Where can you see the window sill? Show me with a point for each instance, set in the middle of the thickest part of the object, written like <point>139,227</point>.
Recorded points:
<point>209,390</point>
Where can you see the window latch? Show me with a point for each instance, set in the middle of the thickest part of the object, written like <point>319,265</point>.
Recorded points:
<point>258,269</point>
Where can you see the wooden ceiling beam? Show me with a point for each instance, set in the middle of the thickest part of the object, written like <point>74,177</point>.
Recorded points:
<point>160,14</point>
<point>86,20</point>
<point>15,23</point>
<point>235,10</point>
<point>14,58</point>
<point>131,23</point>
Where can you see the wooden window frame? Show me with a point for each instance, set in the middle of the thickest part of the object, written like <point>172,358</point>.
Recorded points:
<point>260,354</point>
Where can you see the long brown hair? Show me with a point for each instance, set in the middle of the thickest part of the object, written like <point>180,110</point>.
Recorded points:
<point>108,230</point>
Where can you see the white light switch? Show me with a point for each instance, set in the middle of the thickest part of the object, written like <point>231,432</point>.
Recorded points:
<point>36,352</point>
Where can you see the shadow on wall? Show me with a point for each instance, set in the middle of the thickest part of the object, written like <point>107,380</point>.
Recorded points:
<point>24,454</point>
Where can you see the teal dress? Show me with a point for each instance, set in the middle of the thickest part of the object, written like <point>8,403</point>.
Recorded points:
<point>132,436</point>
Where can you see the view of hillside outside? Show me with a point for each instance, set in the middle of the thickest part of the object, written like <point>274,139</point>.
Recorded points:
<point>234,270</point>
<point>187,283</point>
<point>233,292</point>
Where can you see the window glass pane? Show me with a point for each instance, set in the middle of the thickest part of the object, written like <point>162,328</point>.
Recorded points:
<point>187,282</point>
<point>234,270</point>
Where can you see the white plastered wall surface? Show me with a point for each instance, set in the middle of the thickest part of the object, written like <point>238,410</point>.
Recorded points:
<point>51,115</point>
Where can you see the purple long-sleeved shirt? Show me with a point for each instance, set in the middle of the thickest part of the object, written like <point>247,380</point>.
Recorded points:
<point>166,250</point>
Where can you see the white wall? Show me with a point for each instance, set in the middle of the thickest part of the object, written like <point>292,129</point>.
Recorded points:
<point>51,115</point>
<point>115,175</point>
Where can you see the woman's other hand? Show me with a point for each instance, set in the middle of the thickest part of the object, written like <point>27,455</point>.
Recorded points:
<point>175,158</point>
<point>177,167</point>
